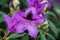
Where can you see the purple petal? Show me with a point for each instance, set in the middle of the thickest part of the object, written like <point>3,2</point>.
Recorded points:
<point>19,15</point>
<point>31,9</point>
<point>41,9</point>
<point>47,3</point>
<point>20,28</point>
<point>7,19</point>
<point>37,3</point>
<point>20,21</point>
<point>12,29</point>
<point>32,29</point>
<point>30,2</point>
<point>9,22</point>
<point>57,1</point>
<point>40,19</point>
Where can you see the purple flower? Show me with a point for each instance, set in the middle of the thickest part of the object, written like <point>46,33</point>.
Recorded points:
<point>10,22</point>
<point>21,21</point>
<point>28,21</point>
<point>38,4</point>
<point>33,2</point>
<point>57,1</point>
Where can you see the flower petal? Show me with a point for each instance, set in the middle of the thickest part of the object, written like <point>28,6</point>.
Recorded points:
<point>7,19</point>
<point>37,3</point>
<point>40,18</point>
<point>57,1</point>
<point>31,9</point>
<point>20,21</point>
<point>30,2</point>
<point>20,28</point>
<point>19,15</point>
<point>32,29</point>
<point>41,9</point>
<point>47,2</point>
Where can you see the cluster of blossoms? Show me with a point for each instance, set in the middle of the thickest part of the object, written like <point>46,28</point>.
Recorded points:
<point>21,21</point>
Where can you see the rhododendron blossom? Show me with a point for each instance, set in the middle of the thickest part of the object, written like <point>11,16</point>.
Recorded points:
<point>21,21</point>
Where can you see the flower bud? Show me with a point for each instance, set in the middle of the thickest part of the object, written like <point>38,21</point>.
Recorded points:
<point>45,26</point>
<point>16,3</point>
<point>11,4</point>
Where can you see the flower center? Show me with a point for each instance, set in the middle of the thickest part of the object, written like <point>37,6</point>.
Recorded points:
<point>29,16</point>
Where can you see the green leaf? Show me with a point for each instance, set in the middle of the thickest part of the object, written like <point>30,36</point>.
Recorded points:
<point>53,28</point>
<point>58,11</point>
<point>12,36</point>
<point>4,3</point>
<point>26,37</point>
<point>24,2</point>
<point>51,36</point>
<point>58,30</point>
<point>55,5</point>
<point>56,8</point>
<point>1,16</point>
<point>42,36</point>
<point>51,13</point>
<point>0,38</point>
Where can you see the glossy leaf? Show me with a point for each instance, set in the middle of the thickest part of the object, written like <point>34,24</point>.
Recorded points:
<point>58,30</point>
<point>1,16</point>
<point>12,36</point>
<point>4,3</point>
<point>51,13</point>
<point>26,37</point>
<point>58,11</point>
<point>51,36</point>
<point>55,5</point>
<point>42,36</point>
<point>53,28</point>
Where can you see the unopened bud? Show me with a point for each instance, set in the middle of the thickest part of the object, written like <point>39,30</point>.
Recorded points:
<point>16,3</point>
<point>45,25</point>
<point>11,4</point>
